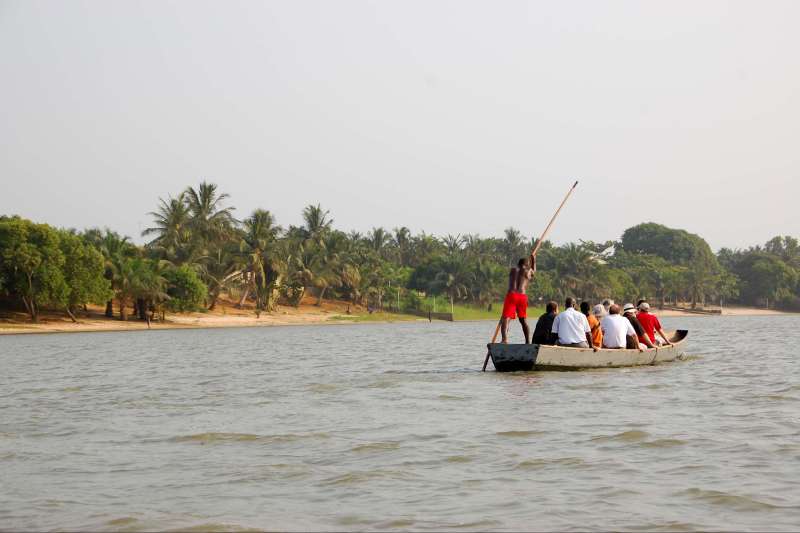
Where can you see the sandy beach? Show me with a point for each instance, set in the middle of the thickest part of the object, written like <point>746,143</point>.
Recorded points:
<point>227,315</point>
<point>224,315</point>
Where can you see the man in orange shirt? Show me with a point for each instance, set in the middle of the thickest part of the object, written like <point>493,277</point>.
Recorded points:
<point>594,324</point>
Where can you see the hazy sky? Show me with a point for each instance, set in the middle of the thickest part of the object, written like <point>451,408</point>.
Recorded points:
<point>448,117</point>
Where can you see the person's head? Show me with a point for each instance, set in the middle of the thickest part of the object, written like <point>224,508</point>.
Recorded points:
<point>599,311</point>
<point>552,307</point>
<point>629,309</point>
<point>569,302</point>
<point>585,308</point>
<point>607,303</point>
<point>644,306</point>
<point>524,263</point>
<point>613,309</point>
<point>640,302</point>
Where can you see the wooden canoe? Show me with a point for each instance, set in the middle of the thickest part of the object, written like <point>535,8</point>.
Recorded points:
<point>517,357</point>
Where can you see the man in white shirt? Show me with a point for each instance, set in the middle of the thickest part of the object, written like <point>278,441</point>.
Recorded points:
<point>572,327</point>
<point>617,329</point>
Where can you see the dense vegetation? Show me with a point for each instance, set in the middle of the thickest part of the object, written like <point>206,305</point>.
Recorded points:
<point>198,251</point>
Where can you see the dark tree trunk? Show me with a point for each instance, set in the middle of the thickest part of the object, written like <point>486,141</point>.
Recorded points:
<point>71,315</point>
<point>30,306</point>
<point>141,307</point>
<point>214,297</point>
<point>246,293</point>
<point>321,294</point>
<point>110,309</point>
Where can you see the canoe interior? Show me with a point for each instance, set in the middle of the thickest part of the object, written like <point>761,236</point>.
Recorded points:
<point>525,357</point>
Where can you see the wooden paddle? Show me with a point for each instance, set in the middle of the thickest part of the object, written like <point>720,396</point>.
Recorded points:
<point>533,254</point>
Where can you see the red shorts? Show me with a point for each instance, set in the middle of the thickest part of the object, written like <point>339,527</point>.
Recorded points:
<point>516,304</point>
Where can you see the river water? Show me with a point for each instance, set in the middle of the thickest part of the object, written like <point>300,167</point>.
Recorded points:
<point>392,426</point>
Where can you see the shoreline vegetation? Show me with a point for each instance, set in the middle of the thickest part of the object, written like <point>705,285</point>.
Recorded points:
<point>226,315</point>
<point>204,267</point>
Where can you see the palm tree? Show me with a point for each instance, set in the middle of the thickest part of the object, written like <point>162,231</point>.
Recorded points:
<point>116,250</point>
<point>453,243</point>
<point>208,221</point>
<point>402,242</point>
<point>512,246</point>
<point>378,240</point>
<point>317,221</point>
<point>170,223</point>
<point>486,278</point>
<point>453,278</point>
<point>148,285</point>
<point>260,232</point>
<point>218,269</point>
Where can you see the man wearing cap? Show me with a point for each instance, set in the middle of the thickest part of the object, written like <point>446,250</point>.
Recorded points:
<point>572,327</point>
<point>641,340</point>
<point>650,324</point>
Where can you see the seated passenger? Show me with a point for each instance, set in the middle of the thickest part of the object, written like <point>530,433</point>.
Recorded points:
<point>641,338</point>
<point>572,328</point>
<point>650,324</point>
<point>594,325</point>
<point>599,312</point>
<point>617,331</point>
<point>543,334</point>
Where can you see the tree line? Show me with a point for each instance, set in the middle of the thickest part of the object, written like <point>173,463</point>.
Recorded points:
<point>198,251</point>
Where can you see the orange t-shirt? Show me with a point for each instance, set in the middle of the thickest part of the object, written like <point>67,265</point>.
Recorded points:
<point>597,333</point>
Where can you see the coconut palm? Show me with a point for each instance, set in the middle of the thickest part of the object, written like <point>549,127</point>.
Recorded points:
<point>209,221</point>
<point>378,240</point>
<point>402,243</point>
<point>316,221</point>
<point>260,234</point>
<point>453,243</point>
<point>170,224</point>
<point>117,251</point>
<point>513,246</point>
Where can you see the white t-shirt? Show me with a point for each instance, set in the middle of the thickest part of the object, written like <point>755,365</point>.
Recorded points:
<point>571,326</point>
<point>615,329</point>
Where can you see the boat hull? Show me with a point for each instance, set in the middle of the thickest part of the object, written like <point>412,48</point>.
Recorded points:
<point>525,357</point>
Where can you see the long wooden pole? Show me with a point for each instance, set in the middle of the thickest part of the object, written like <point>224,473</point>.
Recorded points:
<point>533,254</point>
<point>550,224</point>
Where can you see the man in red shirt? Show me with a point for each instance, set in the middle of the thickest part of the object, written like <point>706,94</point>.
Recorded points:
<point>650,324</point>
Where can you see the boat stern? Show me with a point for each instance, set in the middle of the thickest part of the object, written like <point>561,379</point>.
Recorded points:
<point>513,357</point>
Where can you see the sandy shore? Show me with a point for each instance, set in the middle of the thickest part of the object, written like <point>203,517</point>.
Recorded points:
<point>226,315</point>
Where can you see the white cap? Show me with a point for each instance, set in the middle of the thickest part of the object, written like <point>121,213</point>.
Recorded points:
<point>599,310</point>
<point>644,306</point>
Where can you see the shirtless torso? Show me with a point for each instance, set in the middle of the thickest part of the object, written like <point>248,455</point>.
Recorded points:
<point>518,279</point>
<point>516,301</point>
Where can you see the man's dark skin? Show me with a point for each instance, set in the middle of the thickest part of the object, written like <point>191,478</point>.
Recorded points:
<point>518,278</point>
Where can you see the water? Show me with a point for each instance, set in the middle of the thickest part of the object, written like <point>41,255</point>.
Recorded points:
<point>366,427</point>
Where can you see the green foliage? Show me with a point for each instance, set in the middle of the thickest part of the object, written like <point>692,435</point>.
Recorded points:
<point>32,265</point>
<point>198,252</point>
<point>84,272</point>
<point>186,290</point>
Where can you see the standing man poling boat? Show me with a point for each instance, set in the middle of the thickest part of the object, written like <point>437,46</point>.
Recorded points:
<point>516,302</point>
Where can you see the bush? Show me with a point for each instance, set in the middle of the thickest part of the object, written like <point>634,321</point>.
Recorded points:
<point>186,290</point>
